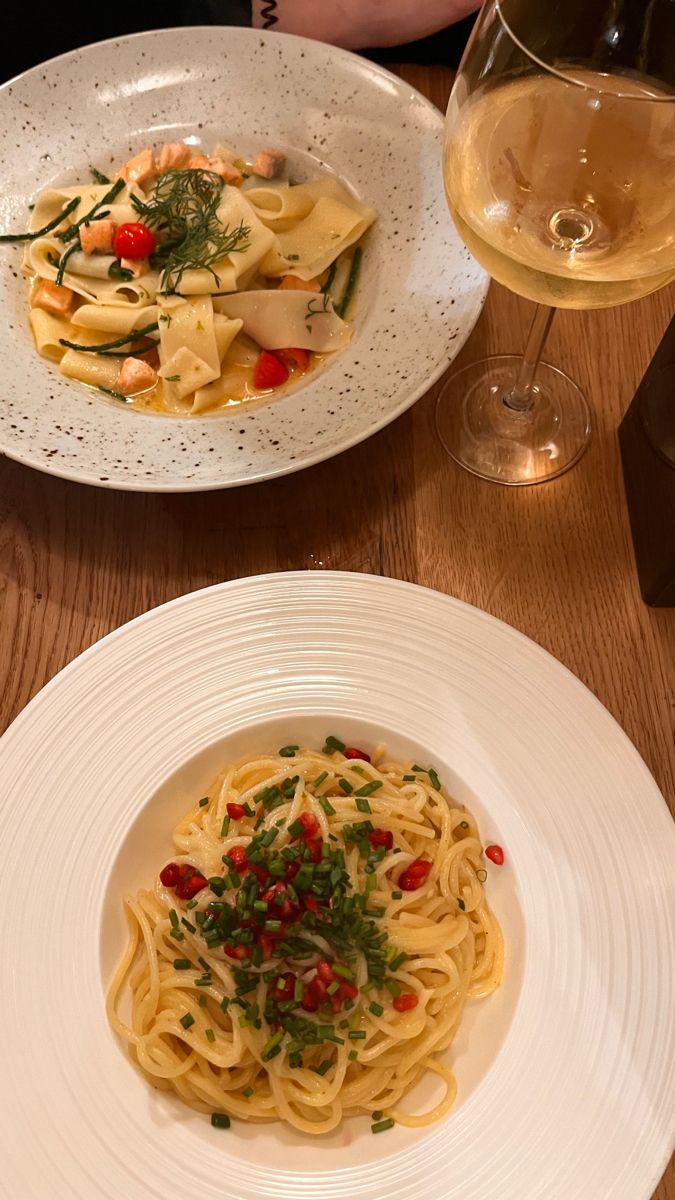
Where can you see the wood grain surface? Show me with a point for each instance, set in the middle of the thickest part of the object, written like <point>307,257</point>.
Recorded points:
<point>555,561</point>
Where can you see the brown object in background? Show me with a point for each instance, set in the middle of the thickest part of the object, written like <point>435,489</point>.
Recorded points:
<point>647,437</point>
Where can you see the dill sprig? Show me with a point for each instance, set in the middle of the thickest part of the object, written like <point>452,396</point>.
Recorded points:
<point>183,209</point>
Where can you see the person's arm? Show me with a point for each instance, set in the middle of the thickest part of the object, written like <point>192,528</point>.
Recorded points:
<point>359,24</point>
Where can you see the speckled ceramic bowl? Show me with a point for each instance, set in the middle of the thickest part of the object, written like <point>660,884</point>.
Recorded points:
<point>420,296</point>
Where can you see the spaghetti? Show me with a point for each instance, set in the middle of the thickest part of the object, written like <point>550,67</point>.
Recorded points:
<point>308,953</point>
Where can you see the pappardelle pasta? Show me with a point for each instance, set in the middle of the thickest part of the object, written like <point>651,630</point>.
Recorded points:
<point>308,952</point>
<point>190,283</point>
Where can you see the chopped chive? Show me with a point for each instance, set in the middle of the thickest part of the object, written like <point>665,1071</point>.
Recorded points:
<point>187,1020</point>
<point>397,962</point>
<point>204,981</point>
<point>225,827</point>
<point>203,802</point>
<point>221,1120</point>
<point>344,972</point>
<point>225,1003</point>
<point>326,806</point>
<point>333,987</point>
<point>178,935</point>
<point>462,905</point>
<point>191,904</point>
<point>435,781</point>
<point>260,905</point>
<point>392,986</point>
<point>333,743</point>
<point>362,804</point>
<point>397,895</point>
<point>320,779</point>
<point>481,875</point>
<point>235,879</point>
<point>323,1067</point>
<point>420,770</point>
<point>377,1115</point>
<point>210,1035</point>
<point>173,917</point>
<point>353,1055</point>
<point>296,829</point>
<point>288,751</point>
<point>202,1001</point>
<point>272,1045</point>
<point>217,885</point>
<point>369,788</point>
<point>247,1092</point>
<point>376,1009</point>
<point>181,964</point>
<point>346,786</point>
<point>268,837</point>
<point>188,925</point>
<point>272,926</point>
<point>381,1126</point>
<point>409,779</point>
<point>357,1035</point>
<point>299,990</point>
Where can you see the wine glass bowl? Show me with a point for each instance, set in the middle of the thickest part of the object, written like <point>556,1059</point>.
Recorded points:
<point>559,170</point>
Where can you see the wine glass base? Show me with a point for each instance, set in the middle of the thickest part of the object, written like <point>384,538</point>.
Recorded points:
<point>493,441</point>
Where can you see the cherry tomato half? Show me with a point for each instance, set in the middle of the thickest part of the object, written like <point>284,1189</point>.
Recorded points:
<point>270,372</point>
<point>133,240</point>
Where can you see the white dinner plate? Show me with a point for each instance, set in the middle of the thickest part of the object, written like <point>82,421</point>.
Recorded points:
<point>565,1075</point>
<point>420,296</point>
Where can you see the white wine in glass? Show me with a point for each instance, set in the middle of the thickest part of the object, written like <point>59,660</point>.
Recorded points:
<point>559,169</point>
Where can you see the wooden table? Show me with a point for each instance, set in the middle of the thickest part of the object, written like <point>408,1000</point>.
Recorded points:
<point>555,561</point>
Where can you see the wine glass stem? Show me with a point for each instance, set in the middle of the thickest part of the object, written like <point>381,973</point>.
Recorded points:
<point>519,398</point>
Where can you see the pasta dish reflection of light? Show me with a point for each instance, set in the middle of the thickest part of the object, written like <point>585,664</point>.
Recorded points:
<point>191,282</point>
<point>307,953</point>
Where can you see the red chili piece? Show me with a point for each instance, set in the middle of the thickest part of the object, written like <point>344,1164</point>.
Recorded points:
<point>235,811</point>
<point>284,988</point>
<point>352,752</point>
<point>314,846</point>
<point>309,824</point>
<point>235,951</point>
<point>190,883</point>
<point>381,837</point>
<point>495,854</point>
<point>133,240</point>
<point>414,875</point>
<point>239,861</point>
<point>405,1002</point>
<point>170,875</point>
<point>270,372</point>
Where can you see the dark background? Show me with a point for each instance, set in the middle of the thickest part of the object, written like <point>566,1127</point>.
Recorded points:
<point>28,39</point>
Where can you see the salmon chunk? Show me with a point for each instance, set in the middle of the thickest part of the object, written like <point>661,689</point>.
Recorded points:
<point>97,237</point>
<point>200,162</point>
<point>53,299</point>
<point>269,163</point>
<point>227,171</point>
<point>291,283</point>
<point>174,156</point>
<point>137,266</point>
<point>135,376</point>
<point>140,169</point>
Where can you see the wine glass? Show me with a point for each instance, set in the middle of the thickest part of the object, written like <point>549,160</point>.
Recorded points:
<point>559,169</point>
